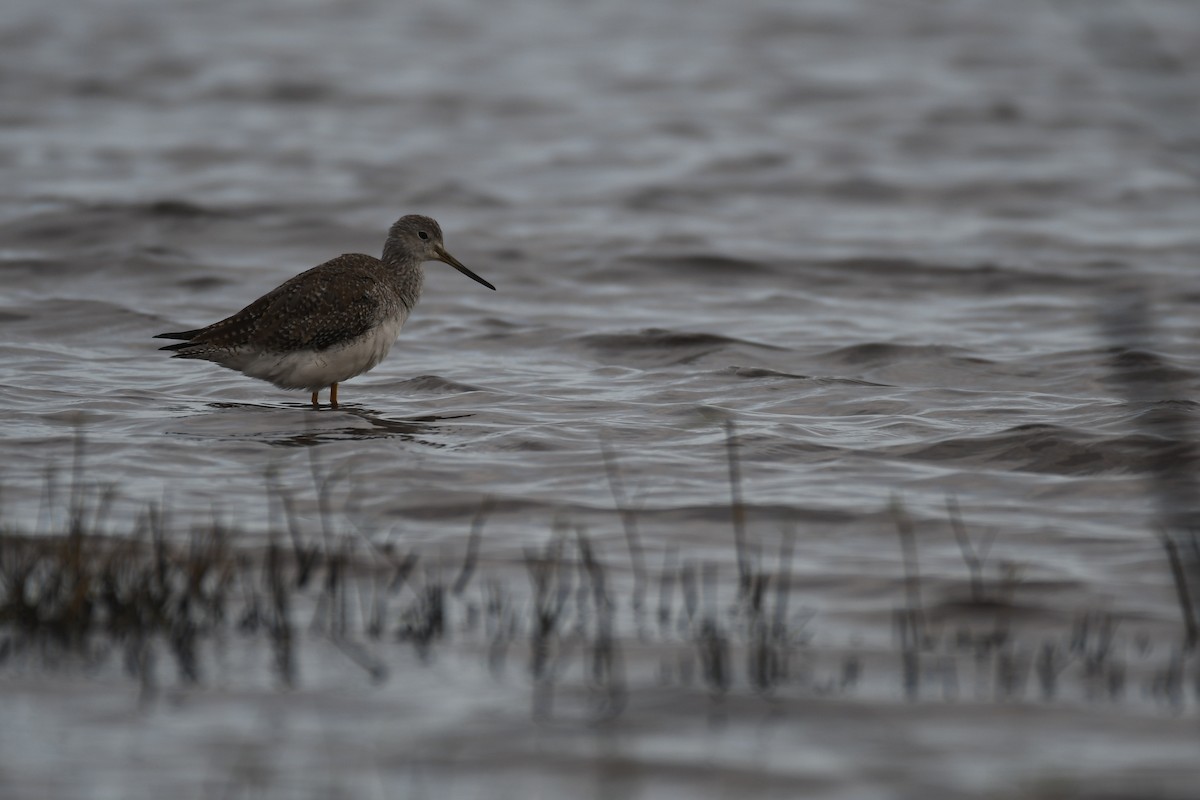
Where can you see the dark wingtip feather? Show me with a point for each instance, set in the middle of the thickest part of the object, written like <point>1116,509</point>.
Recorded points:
<point>180,346</point>
<point>179,335</point>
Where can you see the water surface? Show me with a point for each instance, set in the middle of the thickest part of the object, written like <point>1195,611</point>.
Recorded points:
<point>880,238</point>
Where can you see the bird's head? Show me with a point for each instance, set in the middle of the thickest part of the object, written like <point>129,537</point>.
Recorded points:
<point>420,238</point>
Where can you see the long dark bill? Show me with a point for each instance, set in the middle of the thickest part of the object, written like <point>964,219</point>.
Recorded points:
<point>458,265</point>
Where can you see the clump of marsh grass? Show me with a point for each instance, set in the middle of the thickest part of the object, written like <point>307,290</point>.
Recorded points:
<point>80,596</point>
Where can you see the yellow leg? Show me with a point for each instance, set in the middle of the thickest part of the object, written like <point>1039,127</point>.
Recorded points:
<point>333,396</point>
<point>314,400</point>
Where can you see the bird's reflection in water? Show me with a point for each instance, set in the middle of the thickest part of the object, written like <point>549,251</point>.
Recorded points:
<point>332,425</point>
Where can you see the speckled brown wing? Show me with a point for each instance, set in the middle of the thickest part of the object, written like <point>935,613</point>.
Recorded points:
<point>329,304</point>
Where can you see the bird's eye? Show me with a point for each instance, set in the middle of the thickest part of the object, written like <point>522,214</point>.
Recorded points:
<point>423,234</point>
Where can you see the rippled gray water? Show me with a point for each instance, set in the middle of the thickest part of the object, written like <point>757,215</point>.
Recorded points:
<point>881,238</point>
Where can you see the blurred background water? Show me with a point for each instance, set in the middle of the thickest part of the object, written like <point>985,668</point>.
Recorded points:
<point>881,238</point>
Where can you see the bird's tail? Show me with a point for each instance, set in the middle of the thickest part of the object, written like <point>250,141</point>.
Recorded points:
<point>187,336</point>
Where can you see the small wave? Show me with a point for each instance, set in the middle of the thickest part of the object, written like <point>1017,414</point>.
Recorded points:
<point>76,320</point>
<point>659,339</point>
<point>739,165</point>
<point>709,264</point>
<point>1144,368</point>
<point>1050,449</point>
<point>439,385</point>
<point>458,194</point>
<point>875,353</point>
<point>299,91</point>
<point>719,513</point>
<point>760,372</point>
<point>203,283</point>
<point>174,207</point>
<point>656,338</point>
<point>987,276</point>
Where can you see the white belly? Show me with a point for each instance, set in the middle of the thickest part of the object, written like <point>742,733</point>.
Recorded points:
<point>315,370</point>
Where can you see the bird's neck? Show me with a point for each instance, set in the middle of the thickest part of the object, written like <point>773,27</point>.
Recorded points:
<point>405,275</point>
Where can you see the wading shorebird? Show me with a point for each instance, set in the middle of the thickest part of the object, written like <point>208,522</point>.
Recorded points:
<point>328,324</point>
